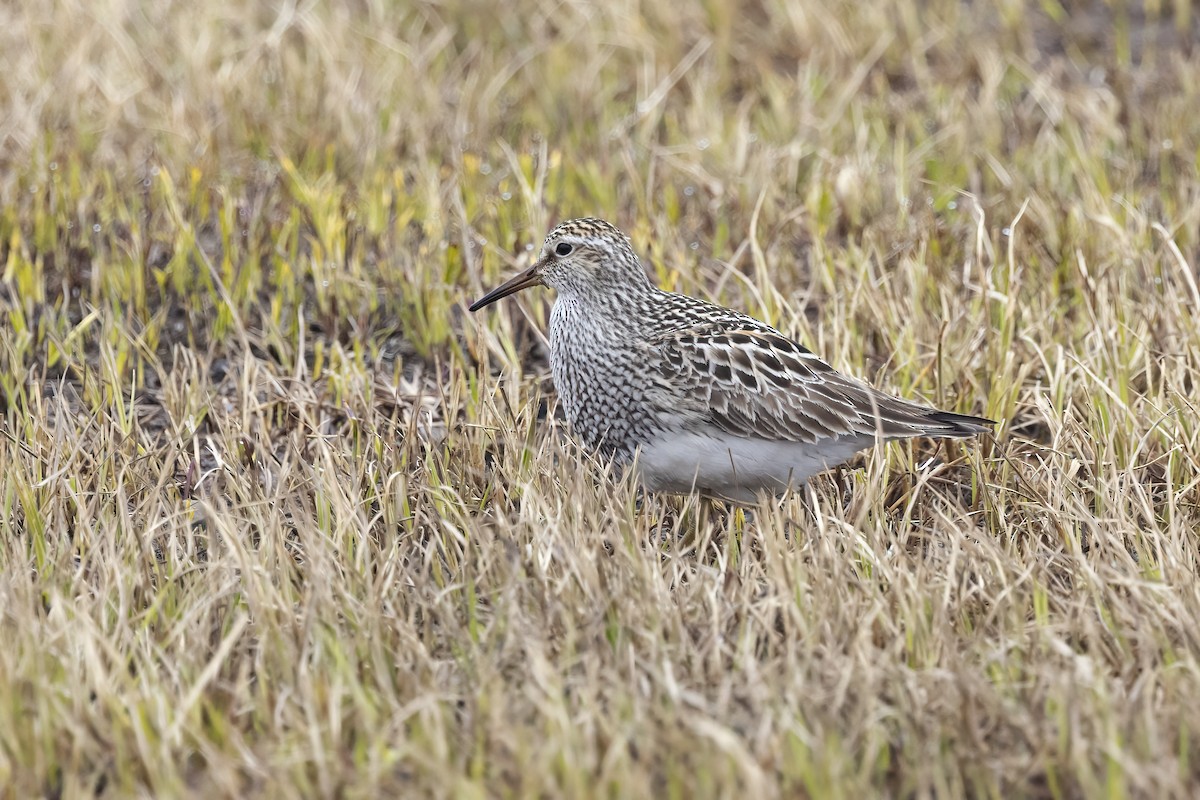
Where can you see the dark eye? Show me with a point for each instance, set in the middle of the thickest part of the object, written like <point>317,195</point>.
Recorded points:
<point>563,249</point>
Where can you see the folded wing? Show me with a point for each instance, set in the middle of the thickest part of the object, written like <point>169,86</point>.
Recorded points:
<point>750,380</point>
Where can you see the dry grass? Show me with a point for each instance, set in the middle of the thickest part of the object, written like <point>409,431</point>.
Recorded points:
<point>278,519</point>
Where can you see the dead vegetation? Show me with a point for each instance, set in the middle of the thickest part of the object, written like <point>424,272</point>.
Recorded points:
<point>278,519</point>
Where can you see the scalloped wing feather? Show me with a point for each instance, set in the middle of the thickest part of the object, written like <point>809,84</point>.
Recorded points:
<point>749,380</point>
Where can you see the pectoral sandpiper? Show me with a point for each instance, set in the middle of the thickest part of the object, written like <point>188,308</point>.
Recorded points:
<point>701,397</point>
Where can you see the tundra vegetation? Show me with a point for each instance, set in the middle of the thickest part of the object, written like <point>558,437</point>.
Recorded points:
<point>277,518</point>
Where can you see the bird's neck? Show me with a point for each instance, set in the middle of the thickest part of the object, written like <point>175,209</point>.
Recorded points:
<point>624,308</point>
<point>608,316</point>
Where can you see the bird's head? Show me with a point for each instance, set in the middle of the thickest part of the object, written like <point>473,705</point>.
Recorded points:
<point>580,257</point>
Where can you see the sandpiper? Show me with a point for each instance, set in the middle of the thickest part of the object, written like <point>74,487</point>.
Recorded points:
<point>700,397</point>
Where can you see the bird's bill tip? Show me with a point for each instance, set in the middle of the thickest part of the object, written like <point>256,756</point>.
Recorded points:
<point>523,280</point>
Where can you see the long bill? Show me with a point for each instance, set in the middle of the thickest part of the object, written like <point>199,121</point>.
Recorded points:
<point>521,280</point>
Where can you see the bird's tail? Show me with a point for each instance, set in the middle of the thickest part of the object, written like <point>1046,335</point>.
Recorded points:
<point>950,425</point>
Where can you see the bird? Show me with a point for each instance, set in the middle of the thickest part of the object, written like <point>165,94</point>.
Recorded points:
<point>697,397</point>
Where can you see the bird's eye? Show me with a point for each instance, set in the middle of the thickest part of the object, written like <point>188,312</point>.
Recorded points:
<point>563,249</point>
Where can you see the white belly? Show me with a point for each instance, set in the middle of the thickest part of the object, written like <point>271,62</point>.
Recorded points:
<point>735,468</point>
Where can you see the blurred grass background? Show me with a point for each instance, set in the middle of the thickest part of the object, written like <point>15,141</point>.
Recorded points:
<point>278,518</point>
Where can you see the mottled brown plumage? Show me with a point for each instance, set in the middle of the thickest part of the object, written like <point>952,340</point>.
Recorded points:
<point>702,397</point>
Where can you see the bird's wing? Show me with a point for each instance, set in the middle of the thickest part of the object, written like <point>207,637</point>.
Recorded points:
<point>750,380</point>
